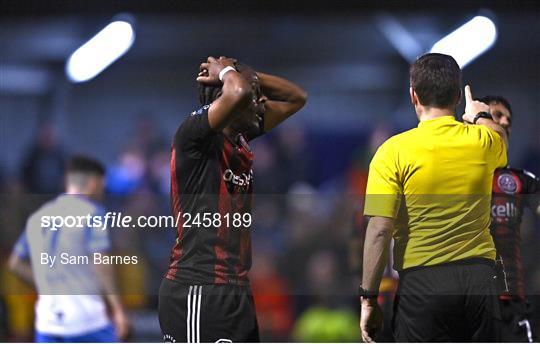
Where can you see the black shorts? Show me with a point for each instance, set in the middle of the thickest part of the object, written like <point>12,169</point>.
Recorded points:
<point>207,313</point>
<point>515,327</point>
<point>455,302</point>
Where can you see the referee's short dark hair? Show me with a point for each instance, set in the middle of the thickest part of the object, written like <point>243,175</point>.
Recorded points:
<point>497,100</point>
<point>84,164</point>
<point>436,79</point>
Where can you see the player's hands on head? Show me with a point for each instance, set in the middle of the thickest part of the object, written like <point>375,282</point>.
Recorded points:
<point>209,70</point>
<point>472,107</point>
<point>371,320</point>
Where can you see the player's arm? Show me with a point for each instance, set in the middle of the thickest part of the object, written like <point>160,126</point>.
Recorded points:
<point>376,252</point>
<point>533,192</point>
<point>284,99</point>
<point>473,107</point>
<point>236,94</point>
<point>99,242</point>
<point>105,274</point>
<point>536,197</point>
<point>21,268</point>
<point>19,260</point>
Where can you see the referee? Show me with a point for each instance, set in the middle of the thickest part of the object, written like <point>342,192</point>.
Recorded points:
<point>430,189</point>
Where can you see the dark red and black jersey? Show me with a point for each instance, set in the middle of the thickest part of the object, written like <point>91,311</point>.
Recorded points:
<point>210,174</point>
<point>513,190</point>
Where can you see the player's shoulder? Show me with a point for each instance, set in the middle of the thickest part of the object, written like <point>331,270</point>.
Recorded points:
<point>78,203</point>
<point>36,216</point>
<point>529,174</point>
<point>49,208</point>
<point>93,207</point>
<point>522,172</point>
<point>192,120</point>
<point>200,111</point>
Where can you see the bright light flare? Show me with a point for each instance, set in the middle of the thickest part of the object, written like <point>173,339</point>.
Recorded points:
<point>100,51</point>
<point>469,41</point>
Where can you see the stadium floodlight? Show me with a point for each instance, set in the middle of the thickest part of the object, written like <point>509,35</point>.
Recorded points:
<point>100,51</point>
<point>468,41</point>
<point>399,37</point>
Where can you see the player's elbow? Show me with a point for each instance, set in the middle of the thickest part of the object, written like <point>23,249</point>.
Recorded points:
<point>297,95</point>
<point>13,263</point>
<point>302,97</point>
<point>298,100</point>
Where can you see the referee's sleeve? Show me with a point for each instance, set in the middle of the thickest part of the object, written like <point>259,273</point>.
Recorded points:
<point>495,146</point>
<point>383,193</point>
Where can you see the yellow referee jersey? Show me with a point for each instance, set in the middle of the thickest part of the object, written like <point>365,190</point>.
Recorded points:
<point>435,181</point>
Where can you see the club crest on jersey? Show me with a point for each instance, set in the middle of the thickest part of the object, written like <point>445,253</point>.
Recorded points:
<point>507,183</point>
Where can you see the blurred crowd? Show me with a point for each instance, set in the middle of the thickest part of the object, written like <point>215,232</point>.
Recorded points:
<point>305,233</point>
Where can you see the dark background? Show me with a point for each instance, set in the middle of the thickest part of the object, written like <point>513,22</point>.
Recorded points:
<point>339,52</point>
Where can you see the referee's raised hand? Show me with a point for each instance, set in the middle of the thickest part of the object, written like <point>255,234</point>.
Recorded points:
<point>472,107</point>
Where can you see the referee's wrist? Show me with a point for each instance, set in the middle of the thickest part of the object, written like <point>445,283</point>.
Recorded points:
<point>482,115</point>
<point>365,294</point>
<point>483,121</point>
<point>369,302</point>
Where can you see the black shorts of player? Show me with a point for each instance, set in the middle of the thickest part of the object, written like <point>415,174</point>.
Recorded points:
<point>455,302</point>
<point>515,327</point>
<point>207,313</point>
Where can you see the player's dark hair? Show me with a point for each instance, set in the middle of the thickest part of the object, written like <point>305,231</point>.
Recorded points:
<point>497,100</point>
<point>436,79</point>
<point>84,164</point>
<point>209,93</point>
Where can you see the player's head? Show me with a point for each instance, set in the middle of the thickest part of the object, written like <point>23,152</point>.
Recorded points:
<point>501,111</point>
<point>85,176</point>
<point>435,82</point>
<point>248,120</point>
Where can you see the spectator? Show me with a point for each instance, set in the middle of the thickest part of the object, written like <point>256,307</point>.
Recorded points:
<point>43,165</point>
